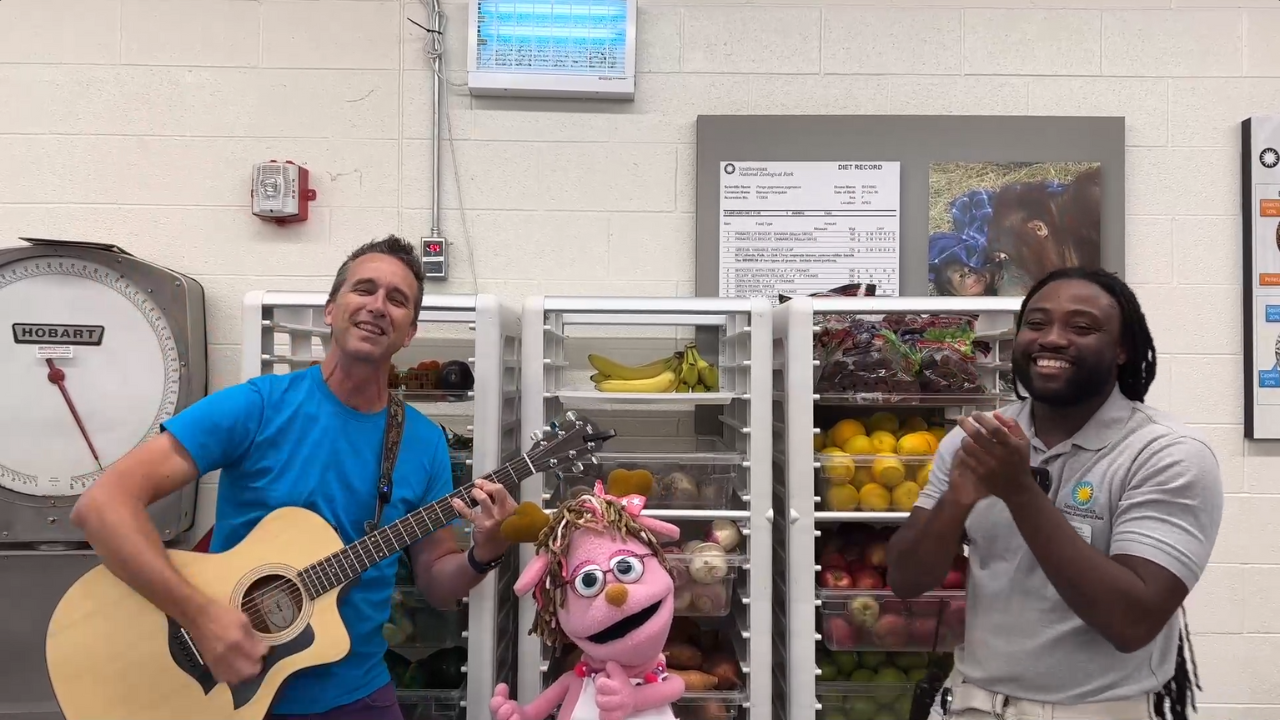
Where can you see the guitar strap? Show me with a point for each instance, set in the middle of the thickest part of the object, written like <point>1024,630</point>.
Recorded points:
<point>390,452</point>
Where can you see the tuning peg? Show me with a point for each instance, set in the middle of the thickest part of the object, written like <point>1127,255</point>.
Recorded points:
<point>571,416</point>
<point>576,467</point>
<point>537,435</point>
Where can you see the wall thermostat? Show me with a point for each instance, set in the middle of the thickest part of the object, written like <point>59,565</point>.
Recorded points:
<point>435,258</point>
<point>281,191</point>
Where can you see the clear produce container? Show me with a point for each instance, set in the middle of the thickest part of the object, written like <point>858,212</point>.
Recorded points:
<point>714,705</point>
<point>894,481</point>
<point>687,473</point>
<point>431,704</point>
<point>858,620</point>
<point>704,581</point>
<point>870,700</point>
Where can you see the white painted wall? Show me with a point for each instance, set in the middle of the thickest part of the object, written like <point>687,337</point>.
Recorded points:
<point>137,121</point>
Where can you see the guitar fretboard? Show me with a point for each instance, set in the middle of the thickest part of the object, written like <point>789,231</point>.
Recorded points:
<point>348,563</point>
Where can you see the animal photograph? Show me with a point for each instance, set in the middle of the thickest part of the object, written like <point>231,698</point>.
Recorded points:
<point>997,228</point>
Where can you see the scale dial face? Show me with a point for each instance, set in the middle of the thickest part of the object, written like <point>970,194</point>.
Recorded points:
<point>103,337</point>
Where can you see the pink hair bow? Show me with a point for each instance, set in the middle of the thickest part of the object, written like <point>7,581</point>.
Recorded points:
<point>632,504</point>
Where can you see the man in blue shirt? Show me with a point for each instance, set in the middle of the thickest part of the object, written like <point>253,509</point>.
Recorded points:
<point>311,438</point>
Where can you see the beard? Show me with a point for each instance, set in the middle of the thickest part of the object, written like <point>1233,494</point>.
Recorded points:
<point>1083,382</point>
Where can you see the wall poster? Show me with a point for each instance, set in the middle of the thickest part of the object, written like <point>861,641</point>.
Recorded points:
<point>799,228</point>
<point>997,228</point>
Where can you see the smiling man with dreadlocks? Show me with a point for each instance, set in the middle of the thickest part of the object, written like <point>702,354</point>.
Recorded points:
<point>1090,516</point>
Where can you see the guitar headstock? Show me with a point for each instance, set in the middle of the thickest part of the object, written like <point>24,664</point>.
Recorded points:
<point>568,443</point>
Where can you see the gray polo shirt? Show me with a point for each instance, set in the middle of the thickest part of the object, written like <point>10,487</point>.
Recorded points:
<point>1132,481</point>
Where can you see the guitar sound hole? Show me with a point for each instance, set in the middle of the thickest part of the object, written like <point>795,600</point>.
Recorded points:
<point>273,603</point>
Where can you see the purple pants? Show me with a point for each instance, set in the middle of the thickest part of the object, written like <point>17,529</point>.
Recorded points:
<point>378,705</point>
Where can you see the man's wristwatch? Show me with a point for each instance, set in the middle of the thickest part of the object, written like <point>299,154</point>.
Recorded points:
<point>477,566</point>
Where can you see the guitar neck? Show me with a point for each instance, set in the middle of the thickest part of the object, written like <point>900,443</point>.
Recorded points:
<point>351,561</point>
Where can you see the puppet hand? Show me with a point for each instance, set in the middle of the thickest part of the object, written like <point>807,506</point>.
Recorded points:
<point>614,694</point>
<point>503,707</point>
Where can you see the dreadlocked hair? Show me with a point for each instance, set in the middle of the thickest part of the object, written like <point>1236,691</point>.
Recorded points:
<point>1179,693</point>
<point>584,510</point>
<point>1139,368</point>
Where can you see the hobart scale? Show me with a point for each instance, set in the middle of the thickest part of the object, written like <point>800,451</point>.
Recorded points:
<point>97,348</point>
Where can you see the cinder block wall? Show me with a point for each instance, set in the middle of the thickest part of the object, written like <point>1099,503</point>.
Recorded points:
<point>137,122</point>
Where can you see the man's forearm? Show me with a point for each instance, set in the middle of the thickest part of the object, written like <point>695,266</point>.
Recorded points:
<point>126,540</point>
<point>919,560</point>
<point>1105,595</point>
<point>451,579</point>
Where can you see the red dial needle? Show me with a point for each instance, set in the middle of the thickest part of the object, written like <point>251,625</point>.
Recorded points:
<point>57,376</point>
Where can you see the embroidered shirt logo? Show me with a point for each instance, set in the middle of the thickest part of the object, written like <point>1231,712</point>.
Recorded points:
<point>1082,494</point>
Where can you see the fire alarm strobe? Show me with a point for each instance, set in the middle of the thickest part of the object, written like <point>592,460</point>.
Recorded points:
<point>281,191</point>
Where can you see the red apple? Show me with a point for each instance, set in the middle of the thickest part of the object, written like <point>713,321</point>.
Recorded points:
<point>922,631</point>
<point>868,579</point>
<point>832,560</point>
<point>835,578</point>
<point>890,631</point>
<point>877,555</point>
<point>839,633</point>
<point>955,580</point>
<point>952,624</point>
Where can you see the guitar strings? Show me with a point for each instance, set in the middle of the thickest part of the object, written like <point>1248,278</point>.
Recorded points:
<point>310,575</point>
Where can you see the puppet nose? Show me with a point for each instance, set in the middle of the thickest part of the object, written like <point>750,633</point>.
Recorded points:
<point>616,595</point>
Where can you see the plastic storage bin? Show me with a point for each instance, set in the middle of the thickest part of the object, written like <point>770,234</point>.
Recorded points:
<point>688,473</point>
<point>854,620</point>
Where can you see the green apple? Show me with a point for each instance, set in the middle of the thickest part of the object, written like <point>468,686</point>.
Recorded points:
<point>915,675</point>
<point>910,660</point>
<point>861,708</point>
<point>886,714</point>
<point>872,660</point>
<point>862,675</point>
<point>830,671</point>
<point>889,679</point>
<point>902,706</point>
<point>846,661</point>
<point>833,711</point>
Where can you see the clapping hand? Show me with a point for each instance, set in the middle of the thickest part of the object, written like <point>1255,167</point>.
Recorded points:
<point>998,453</point>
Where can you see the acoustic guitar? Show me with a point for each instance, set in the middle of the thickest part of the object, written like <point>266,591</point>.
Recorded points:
<point>112,654</point>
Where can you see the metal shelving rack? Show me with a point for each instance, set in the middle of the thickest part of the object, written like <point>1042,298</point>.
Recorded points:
<point>285,331</point>
<point>796,324</point>
<point>732,437</point>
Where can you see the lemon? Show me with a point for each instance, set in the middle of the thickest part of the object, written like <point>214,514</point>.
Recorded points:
<point>904,496</point>
<point>938,432</point>
<point>883,420</point>
<point>888,470</point>
<point>842,498</point>
<point>862,476</point>
<point>922,474</point>
<point>819,441</point>
<point>837,466</point>
<point>859,445</point>
<point>873,498</point>
<point>915,423</point>
<point>843,430</point>
<point>916,443</point>
<point>883,441</point>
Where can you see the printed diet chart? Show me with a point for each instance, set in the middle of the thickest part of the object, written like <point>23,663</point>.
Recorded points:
<point>799,228</point>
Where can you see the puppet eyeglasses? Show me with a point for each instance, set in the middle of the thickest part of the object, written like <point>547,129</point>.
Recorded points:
<point>627,569</point>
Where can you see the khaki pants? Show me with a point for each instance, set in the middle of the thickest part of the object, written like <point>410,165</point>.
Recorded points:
<point>970,702</point>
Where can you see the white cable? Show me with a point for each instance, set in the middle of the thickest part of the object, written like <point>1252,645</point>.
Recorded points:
<point>433,48</point>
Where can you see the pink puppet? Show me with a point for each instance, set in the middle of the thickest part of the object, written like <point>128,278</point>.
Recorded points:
<point>601,581</point>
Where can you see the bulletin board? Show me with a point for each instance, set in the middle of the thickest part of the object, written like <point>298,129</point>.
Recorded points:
<point>944,162</point>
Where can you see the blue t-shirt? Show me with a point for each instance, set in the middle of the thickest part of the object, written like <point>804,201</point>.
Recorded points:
<point>286,440</point>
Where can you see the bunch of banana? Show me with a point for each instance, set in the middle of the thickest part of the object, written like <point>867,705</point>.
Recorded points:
<point>681,372</point>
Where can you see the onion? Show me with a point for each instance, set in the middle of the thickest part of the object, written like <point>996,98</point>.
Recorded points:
<point>689,546</point>
<point>724,533</point>
<point>708,563</point>
<point>710,599</point>
<point>679,572</point>
<point>684,598</point>
<point>679,487</point>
